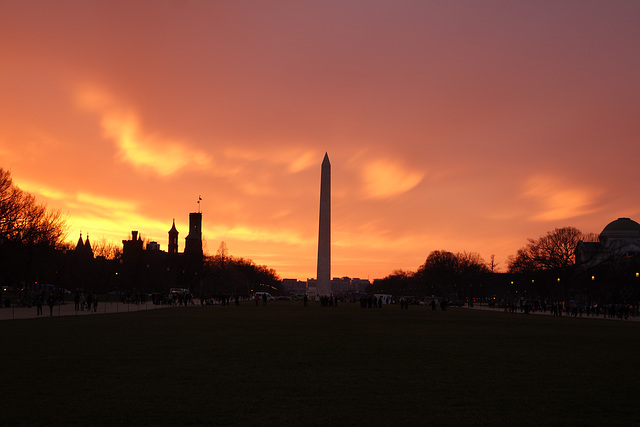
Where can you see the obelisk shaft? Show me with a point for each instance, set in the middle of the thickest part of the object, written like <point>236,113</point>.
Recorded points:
<point>323,286</point>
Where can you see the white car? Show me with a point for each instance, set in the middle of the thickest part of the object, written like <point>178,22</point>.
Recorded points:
<point>260,294</point>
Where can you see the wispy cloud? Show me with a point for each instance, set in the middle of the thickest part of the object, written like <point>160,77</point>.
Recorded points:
<point>38,188</point>
<point>249,233</point>
<point>100,215</point>
<point>294,159</point>
<point>557,199</point>
<point>101,202</point>
<point>387,178</point>
<point>137,146</point>
<point>303,161</point>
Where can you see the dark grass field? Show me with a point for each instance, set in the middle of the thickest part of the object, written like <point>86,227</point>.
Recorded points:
<point>284,364</point>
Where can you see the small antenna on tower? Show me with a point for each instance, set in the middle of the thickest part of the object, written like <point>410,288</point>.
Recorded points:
<point>199,198</point>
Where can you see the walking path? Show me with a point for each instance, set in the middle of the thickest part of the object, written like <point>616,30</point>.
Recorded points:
<point>68,309</point>
<point>548,313</point>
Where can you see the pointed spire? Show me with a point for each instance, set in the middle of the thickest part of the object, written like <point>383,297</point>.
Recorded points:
<point>326,158</point>
<point>80,243</point>
<point>173,238</point>
<point>87,245</point>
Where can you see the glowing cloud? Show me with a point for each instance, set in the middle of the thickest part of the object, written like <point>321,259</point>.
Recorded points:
<point>248,233</point>
<point>100,215</point>
<point>164,156</point>
<point>37,188</point>
<point>106,202</point>
<point>383,179</point>
<point>557,200</point>
<point>303,161</point>
<point>295,160</point>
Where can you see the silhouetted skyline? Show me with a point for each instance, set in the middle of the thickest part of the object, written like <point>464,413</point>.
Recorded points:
<point>459,126</point>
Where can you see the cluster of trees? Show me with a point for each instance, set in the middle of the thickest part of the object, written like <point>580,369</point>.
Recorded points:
<point>25,222</point>
<point>553,251</point>
<point>106,249</point>
<point>545,268</point>
<point>227,274</point>
<point>30,233</point>
<point>443,274</point>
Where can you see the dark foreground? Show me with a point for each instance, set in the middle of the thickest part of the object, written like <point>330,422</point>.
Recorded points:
<point>284,364</point>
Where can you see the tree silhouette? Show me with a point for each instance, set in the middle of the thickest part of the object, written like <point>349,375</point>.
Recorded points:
<point>108,250</point>
<point>24,221</point>
<point>29,234</point>
<point>553,251</point>
<point>226,274</point>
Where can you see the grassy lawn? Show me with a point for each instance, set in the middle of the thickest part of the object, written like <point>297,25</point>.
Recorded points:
<point>284,364</point>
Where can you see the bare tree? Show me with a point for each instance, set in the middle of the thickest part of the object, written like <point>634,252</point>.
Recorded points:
<point>222,252</point>
<point>493,265</point>
<point>554,251</point>
<point>24,221</point>
<point>108,250</point>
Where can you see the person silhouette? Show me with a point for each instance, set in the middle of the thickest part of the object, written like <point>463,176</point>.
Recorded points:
<point>51,302</point>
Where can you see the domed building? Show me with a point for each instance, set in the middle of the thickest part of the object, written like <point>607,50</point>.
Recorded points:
<point>619,239</point>
<point>622,231</point>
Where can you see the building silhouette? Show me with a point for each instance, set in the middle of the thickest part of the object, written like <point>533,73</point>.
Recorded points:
<point>193,241</point>
<point>173,239</point>
<point>148,268</point>
<point>83,249</point>
<point>618,241</point>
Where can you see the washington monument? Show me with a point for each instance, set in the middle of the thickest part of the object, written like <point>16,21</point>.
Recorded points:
<point>323,286</point>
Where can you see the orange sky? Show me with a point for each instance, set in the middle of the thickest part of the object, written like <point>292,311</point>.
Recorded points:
<point>455,125</point>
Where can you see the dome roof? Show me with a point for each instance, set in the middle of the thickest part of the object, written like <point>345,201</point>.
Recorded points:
<point>621,228</point>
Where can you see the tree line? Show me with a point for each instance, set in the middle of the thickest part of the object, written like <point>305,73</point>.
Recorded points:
<point>30,233</point>
<point>548,267</point>
<point>444,274</point>
<point>231,275</point>
<point>25,222</point>
<point>545,268</point>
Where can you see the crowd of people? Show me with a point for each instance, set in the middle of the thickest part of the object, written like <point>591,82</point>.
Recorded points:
<point>42,298</point>
<point>572,308</point>
<point>82,302</point>
<point>223,300</point>
<point>328,301</point>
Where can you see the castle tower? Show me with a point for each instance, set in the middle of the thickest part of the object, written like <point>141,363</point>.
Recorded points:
<point>88,250</point>
<point>323,286</point>
<point>173,239</point>
<point>193,242</point>
<point>80,244</point>
<point>83,249</point>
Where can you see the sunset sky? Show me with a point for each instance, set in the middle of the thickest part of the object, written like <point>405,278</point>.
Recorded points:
<point>450,125</point>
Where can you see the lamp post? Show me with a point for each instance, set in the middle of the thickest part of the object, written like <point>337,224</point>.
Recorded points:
<point>117,291</point>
